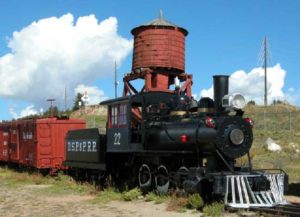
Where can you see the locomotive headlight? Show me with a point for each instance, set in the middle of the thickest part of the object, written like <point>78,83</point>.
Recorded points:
<point>237,136</point>
<point>235,101</point>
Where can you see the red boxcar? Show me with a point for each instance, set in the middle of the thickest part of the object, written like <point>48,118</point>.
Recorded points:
<point>38,143</point>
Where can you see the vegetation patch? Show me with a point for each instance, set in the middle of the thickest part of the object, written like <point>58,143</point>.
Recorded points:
<point>132,194</point>
<point>155,196</point>
<point>109,194</point>
<point>181,210</point>
<point>195,201</point>
<point>215,209</point>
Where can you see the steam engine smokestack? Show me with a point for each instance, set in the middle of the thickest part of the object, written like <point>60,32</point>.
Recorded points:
<point>220,90</point>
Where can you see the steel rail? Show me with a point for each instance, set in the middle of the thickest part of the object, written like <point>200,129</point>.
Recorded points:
<point>291,210</point>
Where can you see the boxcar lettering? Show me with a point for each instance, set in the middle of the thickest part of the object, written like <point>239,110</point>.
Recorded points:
<point>89,146</point>
<point>29,157</point>
<point>94,147</point>
<point>84,146</point>
<point>77,146</point>
<point>73,146</point>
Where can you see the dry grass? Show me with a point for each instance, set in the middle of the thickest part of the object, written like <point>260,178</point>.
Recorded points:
<point>277,128</point>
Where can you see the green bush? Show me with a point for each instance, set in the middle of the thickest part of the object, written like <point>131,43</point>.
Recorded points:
<point>132,194</point>
<point>155,196</point>
<point>214,209</point>
<point>152,196</point>
<point>195,202</point>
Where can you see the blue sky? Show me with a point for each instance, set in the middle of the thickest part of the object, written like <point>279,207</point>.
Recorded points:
<point>224,36</point>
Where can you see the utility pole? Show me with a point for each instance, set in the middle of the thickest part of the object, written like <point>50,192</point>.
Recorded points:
<point>263,56</point>
<point>116,83</point>
<point>65,99</point>
<point>51,100</point>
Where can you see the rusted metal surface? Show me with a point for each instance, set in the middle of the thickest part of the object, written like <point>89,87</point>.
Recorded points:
<point>159,48</point>
<point>158,80</point>
<point>38,143</point>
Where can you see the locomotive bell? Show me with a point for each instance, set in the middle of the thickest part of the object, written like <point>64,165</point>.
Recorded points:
<point>193,107</point>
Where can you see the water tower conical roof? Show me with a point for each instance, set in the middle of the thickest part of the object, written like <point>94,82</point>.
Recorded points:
<point>161,22</point>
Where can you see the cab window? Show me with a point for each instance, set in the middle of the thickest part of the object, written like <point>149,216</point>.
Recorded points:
<point>118,116</point>
<point>122,111</point>
<point>113,116</point>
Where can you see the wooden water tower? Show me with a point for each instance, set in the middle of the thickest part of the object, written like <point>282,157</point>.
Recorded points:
<point>158,58</point>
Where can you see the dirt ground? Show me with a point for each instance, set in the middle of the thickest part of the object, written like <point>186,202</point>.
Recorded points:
<point>26,201</point>
<point>29,201</point>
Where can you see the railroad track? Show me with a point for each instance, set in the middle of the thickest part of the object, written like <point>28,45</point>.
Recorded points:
<point>291,210</point>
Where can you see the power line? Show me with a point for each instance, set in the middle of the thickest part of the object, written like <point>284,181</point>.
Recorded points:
<point>260,54</point>
<point>284,43</point>
<point>266,60</point>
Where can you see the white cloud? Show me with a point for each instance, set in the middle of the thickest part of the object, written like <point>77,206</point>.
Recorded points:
<point>96,95</point>
<point>15,115</point>
<point>251,85</point>
<point>291,89</point>
<point>28,111</point>
<point>55,52</point>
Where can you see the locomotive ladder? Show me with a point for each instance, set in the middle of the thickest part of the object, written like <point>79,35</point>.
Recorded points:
<point>240,195</point>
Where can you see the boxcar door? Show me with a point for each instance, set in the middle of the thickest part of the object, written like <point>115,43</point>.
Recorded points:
<point>44,145</point>
<point>4,137</point>
<point>13,145</point>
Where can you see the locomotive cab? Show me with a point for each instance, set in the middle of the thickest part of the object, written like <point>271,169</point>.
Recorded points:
<point>128,117</point>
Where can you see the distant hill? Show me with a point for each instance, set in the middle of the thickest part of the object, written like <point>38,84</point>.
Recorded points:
<point>95,116</point>
<point>91,110</point>
<point>272,108</point>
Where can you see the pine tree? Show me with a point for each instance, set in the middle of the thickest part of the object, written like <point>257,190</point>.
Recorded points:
<point>76,101</point>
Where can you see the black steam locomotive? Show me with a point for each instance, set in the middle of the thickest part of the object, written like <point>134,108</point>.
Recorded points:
<point>162,140</point>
